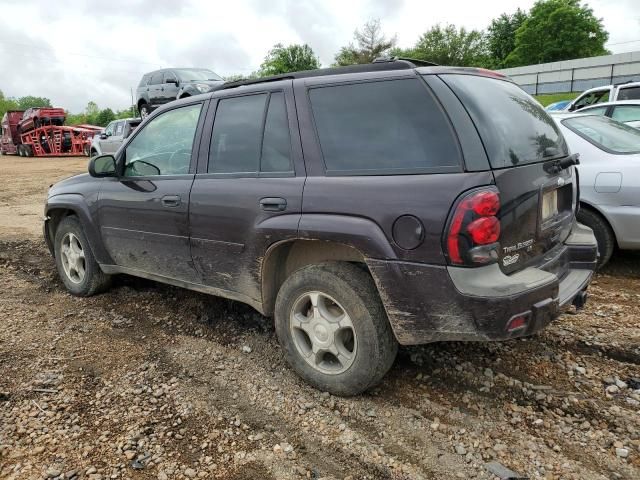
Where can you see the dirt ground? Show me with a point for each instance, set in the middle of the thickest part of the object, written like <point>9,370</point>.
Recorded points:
<point>148,381</point>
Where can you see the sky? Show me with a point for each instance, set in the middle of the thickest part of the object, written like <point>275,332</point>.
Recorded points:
<point>74,51</point>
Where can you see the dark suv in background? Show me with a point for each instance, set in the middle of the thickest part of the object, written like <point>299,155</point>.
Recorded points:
<point>164,86</point>
<point>362,207</point>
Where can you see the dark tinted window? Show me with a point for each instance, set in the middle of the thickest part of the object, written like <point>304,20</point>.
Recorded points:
<point>156,79</point>
<point>276,146</point>
<point>630,93</point>
<point>514,127</point>
<point>238,144</point>
<point>390,126</point>
<point>237,133</point>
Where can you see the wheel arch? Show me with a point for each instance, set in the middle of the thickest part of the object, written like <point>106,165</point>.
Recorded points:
<point>592,208</point>
<point>62,206</point>
<point>284,258</point>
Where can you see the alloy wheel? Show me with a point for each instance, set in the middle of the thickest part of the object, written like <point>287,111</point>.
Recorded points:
<point>72,258</point>
<point>323,333</point>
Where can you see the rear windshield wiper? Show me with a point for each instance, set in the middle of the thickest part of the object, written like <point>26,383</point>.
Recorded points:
<point>557,165</point>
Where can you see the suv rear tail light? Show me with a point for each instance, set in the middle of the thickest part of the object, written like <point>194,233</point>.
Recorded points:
<point>474,229</point>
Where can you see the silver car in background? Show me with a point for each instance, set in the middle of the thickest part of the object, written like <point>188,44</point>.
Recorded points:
<point>113,136</point>
<point>625,111</point>
<point>609,176</point>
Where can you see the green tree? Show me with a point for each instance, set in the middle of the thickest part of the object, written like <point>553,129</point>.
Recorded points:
<point>501,36</point>
<point>449,45</point>
<point>558,30</point>
<point>292,58</point>
<point>30,101</point>
<point>91,113</point>
<point>7,104</point>
<point>104,117</point>
<point>370,43</point>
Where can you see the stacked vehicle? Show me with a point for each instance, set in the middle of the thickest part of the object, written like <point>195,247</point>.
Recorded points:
<point>41,132</point>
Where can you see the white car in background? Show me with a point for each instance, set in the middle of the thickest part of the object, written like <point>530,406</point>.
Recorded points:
<point>608,93</point>
<point>113,136</point>
<point>625,111</point>
<point>609,176</point>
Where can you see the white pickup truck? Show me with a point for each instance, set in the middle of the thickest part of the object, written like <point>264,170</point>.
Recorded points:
<point>608,93</point>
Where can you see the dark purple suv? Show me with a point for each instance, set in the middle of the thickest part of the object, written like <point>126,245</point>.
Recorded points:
<point>362,207</point>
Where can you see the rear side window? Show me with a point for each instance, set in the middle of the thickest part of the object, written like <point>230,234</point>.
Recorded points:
<point>514,128</point>
<point>630,93</point>
<point>626,113</point>
<point>251,135</point>
<point>383,127</point>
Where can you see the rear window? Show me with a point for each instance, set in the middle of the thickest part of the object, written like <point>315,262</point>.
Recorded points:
<point>606,134</point>
<point>514,128</point>
<point>383,127</point>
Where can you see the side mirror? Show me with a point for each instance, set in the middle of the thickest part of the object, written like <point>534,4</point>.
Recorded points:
<point>171,80</point>
<point>103,136</point>
<point>102,166</point>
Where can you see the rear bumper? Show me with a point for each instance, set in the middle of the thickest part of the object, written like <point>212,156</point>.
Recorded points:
<point>428,303</point>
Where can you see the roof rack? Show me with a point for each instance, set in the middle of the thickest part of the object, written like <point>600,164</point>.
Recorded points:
<point>378,65</point>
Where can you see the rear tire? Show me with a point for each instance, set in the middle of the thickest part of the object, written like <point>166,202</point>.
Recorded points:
<point>602,231</point>
<point>333,328</point>
<point>76,264</point>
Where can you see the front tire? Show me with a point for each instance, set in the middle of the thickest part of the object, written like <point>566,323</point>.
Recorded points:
<point>76,264</point>
<point>145,110</point>
<point>333,328</point>
<point>602,231</point>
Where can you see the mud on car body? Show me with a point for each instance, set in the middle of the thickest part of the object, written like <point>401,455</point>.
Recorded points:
<point>362,207</point>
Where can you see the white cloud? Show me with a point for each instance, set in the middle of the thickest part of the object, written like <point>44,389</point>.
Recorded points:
<point>76,51</point>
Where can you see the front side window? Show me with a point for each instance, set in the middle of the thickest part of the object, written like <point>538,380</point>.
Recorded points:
<point>606,134</point>
<point>109,130</point>
<point>168,76</point>
<point>382,127</point>
<point>244,140</point>
<point>626,113</point>
<point>164,146</point>
<point>592,98</point>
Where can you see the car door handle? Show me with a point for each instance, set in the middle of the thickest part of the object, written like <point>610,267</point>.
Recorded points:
<point>273,204</point>
<point>171,201</point>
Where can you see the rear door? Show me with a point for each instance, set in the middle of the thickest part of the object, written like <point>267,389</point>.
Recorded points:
<point>155,89</point>
<point>522,141</point>
<point>247,194</point>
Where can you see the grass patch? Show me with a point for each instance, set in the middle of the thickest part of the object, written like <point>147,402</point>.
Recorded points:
<point>549,98</point>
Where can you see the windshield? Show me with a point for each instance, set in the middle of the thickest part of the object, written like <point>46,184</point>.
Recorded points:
<point>195,74</point>
<point>606,134</point>
<point>514,128</point>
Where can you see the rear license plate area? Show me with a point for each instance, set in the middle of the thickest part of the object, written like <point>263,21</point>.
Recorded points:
<point>549,204</point>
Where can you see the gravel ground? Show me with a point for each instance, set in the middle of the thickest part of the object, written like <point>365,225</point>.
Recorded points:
<point>153,382</point>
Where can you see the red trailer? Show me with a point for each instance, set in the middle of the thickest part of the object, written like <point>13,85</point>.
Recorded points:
<point>9,140</point>
<point>44,141</point>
